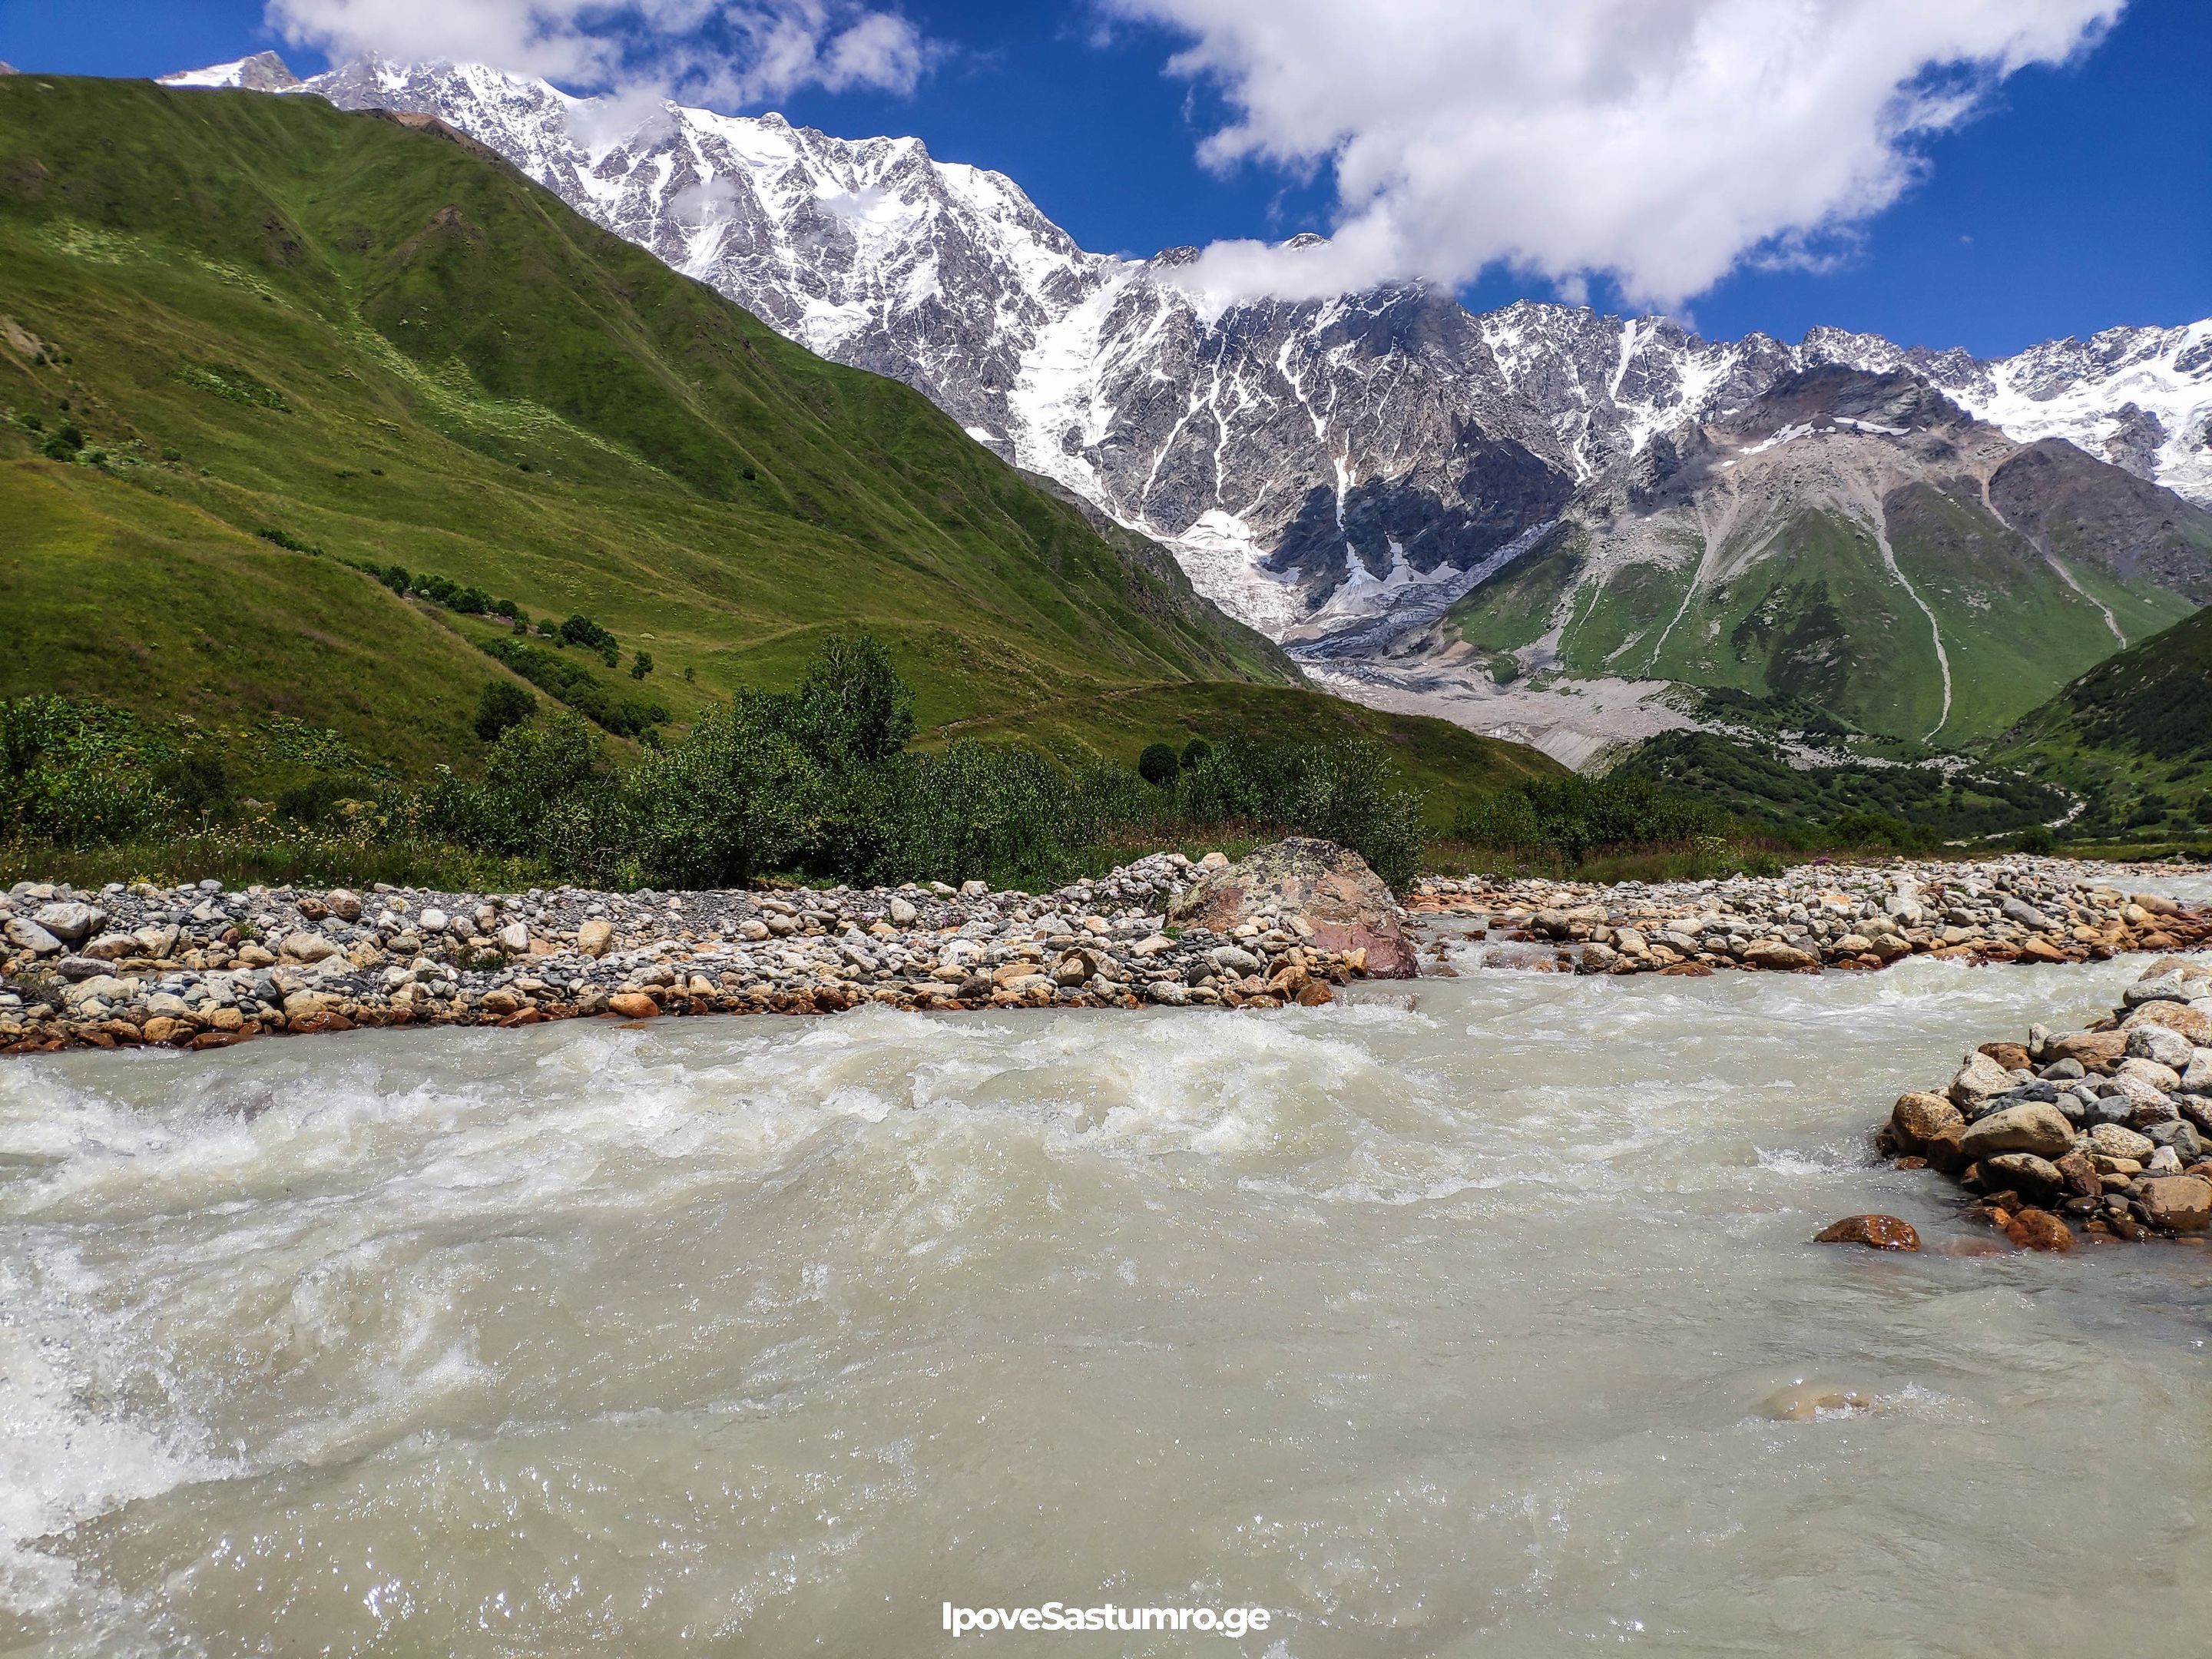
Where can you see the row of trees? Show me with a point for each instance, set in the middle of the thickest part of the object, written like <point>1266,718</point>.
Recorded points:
<point>822,781</point>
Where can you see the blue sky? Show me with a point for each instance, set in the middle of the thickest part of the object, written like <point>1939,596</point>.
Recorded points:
<point>2080,199</point>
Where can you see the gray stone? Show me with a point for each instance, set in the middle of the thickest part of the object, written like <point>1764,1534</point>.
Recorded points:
<point>2064,1071</point>
<point>26,934</point>
<point>2166,987</point>
<point>903,913</point>
<point>2167,1048</point>
<point>514,937</point>
<point>1979,1080</point>
<point>433,920</point>
<point>68,921</point>
<point>2181,1135</point>
<point>2111,1140</point>
<point>2019,911</point>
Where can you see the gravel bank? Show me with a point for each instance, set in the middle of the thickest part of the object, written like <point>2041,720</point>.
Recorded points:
<point>2104,1129</point>
<point>202,966</point>
<point>1852,916</point>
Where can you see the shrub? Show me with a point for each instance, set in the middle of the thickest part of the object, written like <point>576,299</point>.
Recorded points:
<point>574,684</point>
<point>1197,749</point>
<point>1572,816</point>
<point>1159,765</point>
<point>582,630</point>
<point>853,709</point>
<point>504,704</point>
<point>2038,839</point>
<point>77,775</point>
<point>737,798</point>
<point>640,664</point>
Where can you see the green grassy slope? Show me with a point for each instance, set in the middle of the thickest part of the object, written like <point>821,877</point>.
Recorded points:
<point>1449,764</point>
<point>2133,736</point>
<point>265,313</point>
<point>1812,613</point>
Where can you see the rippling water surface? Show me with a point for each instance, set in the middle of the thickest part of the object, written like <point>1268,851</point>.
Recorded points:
<point>1441,1321</point>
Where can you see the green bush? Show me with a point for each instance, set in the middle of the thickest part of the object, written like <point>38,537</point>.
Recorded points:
<point>582,630</point>
<point>504,704</point>
<point>77,775</point>
<point>1572,816</point>
<point>1196,749</point>
<point>640,664</point>
<point>577,686</point>
<point>1158,766</point>
<point>737,798</point>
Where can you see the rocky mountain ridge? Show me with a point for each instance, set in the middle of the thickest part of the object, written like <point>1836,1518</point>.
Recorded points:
<point>1315,465</point>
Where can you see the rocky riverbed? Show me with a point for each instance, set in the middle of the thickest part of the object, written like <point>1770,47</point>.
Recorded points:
<point>201,966</point>
<point>2106,1129</point>
<point>1851,916</point>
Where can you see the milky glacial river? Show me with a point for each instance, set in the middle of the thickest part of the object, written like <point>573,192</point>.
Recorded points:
<point>1440,1320</point>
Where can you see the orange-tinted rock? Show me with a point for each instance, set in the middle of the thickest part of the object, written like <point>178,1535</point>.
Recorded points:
<point>2081,1175</point>
<point>1928,1126</point>
<point>2089,1047</point>
<point>2181,1204</point>
<point>1329,887</point>
<point>2039,1230</point>
<point>2013,1056</point>
<point>1877,1232</point>
<point>633,1004</point>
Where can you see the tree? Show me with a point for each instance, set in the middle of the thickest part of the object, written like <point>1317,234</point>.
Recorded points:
<point>504,704</point>
<point>852,709</point>
<point>1157,765</point>
<point>1196,752</point>
<point>640,664</point>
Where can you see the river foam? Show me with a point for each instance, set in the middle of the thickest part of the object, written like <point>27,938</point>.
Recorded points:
<point>1447,1319</point>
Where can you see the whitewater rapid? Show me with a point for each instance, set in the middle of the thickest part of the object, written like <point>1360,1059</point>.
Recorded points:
<point>1440,1320</point>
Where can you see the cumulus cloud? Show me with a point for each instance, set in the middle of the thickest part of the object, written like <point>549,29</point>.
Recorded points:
<point>1660,143</point>
<point>731,51</point>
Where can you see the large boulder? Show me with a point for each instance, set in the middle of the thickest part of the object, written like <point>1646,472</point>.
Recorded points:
<point>1328,887</point>
<point>2182,1203</point>
<point>2032,1128</point>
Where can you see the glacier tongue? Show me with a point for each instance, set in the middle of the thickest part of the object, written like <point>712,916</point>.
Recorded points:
<point>1314,465</point>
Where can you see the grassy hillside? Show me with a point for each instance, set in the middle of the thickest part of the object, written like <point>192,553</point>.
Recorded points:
<point>1449,765</point>
<point>2133,736</point>
<point>1812,613</point>
<point>233,327</point>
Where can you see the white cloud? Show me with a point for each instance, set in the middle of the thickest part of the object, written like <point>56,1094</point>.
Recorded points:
<point>1662,143</point>
<point>733,51</point>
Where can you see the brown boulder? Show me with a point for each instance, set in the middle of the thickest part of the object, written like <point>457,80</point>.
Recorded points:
<point>1328,887</point>
<point>1929,1126</point>
<point>2080,1176</point>
<point>2036,1180</point>
<point>2039,1230</point>
<point>2030,1129</point>
<point>2013,1056</point>
<point>1877,1232</point>
<point>2089,1047</point>
<point>633,1004</point>
<point>2180,1204</point>
<point>2184,1018</point>
<point>1776,956</point>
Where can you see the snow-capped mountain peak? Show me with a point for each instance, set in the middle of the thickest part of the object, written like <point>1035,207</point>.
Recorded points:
<point>1313,462</point>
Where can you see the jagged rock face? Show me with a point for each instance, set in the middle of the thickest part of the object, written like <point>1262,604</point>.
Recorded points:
<point>1315,465</point>
<point>263,72</point>
<point>1855,541</point>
